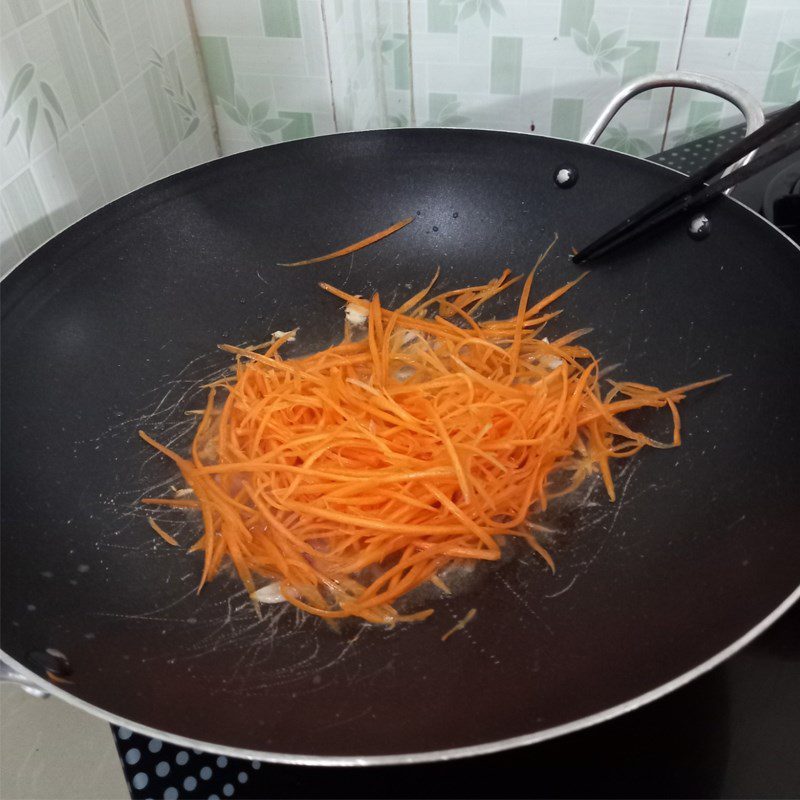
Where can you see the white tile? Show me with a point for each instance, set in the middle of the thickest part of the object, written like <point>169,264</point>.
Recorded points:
<point>228,17</point>
<point>306,94</point>
<point>261,56</point>
<point>458,78</point>
<point>313,38</point>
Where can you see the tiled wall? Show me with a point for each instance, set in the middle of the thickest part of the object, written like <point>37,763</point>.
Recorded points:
<point>98,98</point>
<point>754,43</point>
<point>325,65</point>
<point>102,96</point>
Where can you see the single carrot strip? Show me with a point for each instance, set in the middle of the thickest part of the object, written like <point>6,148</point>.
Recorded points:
<point>165,501</point>
<point>162,533</point>
<point>375,237</point>
<point>461,624</point>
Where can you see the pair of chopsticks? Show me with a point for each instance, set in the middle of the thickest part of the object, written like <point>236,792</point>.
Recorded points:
<point>692,193</point>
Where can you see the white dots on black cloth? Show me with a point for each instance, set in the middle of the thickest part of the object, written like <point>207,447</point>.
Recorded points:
<point>206,773</point>
<point>222,761</point>
<point>227,789</point>
<point>190,783</point>
<point>171,793</point>
<point>124,733</point>
<point>139,781</point>
<point>213,797</point>
<point>162,769</point>
<point>182,758</point>
<point>242,777</point>
<point>256,765</point>
<point>155,745</point>
<point>132,756</point>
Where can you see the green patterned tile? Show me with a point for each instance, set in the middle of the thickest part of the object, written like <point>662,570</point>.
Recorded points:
<point>401,62</point>
<point>161,110</point>
<point>26,212</point>
<point>506,64</point>
<point>358,30</point>
<point>783,85</point>
<point>300,127</point>
<point>218,68</point>
<point>97,47</point>
<point>105,155</point>
<point>77,71</point>
<point>567,117</point>
<point>725,18</point>
<point>281,18</point>
<point>442,15</point>
<point>445,110</point>
<point>10,252</point>
<point>575,14</point>
<point>642,62</point>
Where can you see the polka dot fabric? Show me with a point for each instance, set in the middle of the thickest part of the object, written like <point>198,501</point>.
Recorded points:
<point>156,769</point>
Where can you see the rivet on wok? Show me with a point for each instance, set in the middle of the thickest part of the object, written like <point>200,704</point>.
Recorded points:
<point>699,227</point>
<point>53,663</point>
<point>565,176</point>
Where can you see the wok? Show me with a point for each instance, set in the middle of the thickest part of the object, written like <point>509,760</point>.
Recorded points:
<point>112,326</point>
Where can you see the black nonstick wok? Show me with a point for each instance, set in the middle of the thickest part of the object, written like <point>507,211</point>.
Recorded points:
<point>113,325</point>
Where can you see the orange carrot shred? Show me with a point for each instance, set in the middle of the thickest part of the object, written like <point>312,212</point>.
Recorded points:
<point>162,533</point>
<point>375,237</point>
<point>353,475</point>
<point>461,624</point>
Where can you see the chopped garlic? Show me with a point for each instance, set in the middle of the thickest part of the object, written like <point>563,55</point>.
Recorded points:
<point>271,593</point>
<point>551,362</point>
<point>356,315</point>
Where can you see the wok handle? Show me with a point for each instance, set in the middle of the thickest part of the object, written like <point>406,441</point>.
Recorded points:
<point>8,673</point>
<point>743,100</point>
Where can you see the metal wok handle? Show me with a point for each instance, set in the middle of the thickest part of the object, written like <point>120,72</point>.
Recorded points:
<point>743,100</point>
<point>9,674</point>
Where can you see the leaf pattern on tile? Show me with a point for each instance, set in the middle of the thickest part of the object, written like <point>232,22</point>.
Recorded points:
<point>790,63</point>
<point>387,44</point>
<point>180,97</point>
<point>619,138</point>
<point>90,8</point>
<point>18,85</point>
<point>448,117</point>
<point>603,50</point>
<point>39,95</point>
<point>705,126</point>
<point>256,120</point>
<point>483,8</point>
<point>397,120</point>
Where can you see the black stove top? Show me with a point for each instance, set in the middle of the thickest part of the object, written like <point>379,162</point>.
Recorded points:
<point>734,732</point>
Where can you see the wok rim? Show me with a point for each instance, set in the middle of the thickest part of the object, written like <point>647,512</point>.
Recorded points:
<point>425,757</point>
<point>504,131</point>
<point>429,756</point>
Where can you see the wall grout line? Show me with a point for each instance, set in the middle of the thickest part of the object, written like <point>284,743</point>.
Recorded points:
<point>412,111</point>
<point>198,55</point>
<point>677,69</point>
<point>379,72</point>
<point>328,59</point>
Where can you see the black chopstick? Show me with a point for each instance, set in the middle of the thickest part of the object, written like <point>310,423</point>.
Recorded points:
<point>687,193</point>
<point>689,203</point>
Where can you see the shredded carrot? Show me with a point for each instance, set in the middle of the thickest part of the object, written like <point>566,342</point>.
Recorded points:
<point>345,251</point>
<point>162,533</point>
<point>461,624</point>
<point>353,475</point>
